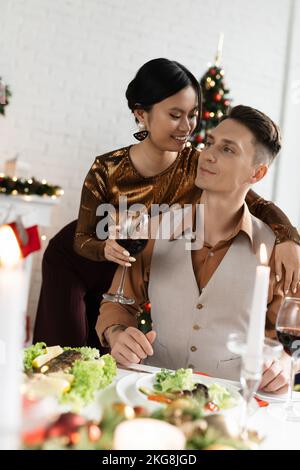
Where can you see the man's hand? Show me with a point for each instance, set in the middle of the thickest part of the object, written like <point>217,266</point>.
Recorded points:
<point>275,377</point>
<point>287,254</point>
<point>130,345</point>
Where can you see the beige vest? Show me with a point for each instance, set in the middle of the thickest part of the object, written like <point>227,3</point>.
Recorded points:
<point>192,327</point>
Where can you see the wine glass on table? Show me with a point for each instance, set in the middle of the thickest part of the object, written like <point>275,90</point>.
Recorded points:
<point>133,233</point>
<point>288,333</point>
<point>237,344</point>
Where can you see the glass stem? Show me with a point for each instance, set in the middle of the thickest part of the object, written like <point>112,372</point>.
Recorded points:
<point>120,290</point>
<point>289,403</point>
<point>244,421</point>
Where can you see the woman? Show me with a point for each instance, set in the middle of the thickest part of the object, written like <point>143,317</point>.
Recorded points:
<point>166,101</point>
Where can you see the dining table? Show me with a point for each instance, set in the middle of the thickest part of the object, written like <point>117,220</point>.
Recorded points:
<point>276,434</point>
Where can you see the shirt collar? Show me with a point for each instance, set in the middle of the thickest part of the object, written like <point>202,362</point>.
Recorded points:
<point>243,225</point>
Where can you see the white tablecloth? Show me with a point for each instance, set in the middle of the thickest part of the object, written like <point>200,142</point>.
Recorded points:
<point>278,434</point>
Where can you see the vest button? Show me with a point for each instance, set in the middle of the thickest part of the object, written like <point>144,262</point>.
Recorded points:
<point>196,327</point>
<point>199,306</point>
<point>193,348</point>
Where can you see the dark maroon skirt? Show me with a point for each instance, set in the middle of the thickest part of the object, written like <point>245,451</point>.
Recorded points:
<point>71,292</point>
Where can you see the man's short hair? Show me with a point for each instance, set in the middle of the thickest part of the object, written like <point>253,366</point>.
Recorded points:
<point>266,132</point>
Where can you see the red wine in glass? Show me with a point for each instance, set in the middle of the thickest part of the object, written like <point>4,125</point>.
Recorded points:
<point>288,333</point>
<point>289,337</point>
<point>133,246</point>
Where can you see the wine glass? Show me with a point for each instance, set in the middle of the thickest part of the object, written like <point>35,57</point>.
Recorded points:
<point>133,230</point>
<point>251,377</point>
<point>288,333</point>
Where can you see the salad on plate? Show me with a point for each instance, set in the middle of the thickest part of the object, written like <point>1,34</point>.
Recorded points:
<point>166,386</point>
<point>72,375</point>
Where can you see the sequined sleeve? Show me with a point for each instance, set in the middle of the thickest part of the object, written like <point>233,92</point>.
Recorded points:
<point>269,213</point>
<point>94,193</point>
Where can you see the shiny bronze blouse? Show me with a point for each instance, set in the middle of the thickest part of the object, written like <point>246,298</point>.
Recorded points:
<point>113,175</point>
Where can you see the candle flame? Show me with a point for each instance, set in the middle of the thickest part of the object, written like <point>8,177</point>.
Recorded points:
<point>10,252</point>
<point>263,254</point>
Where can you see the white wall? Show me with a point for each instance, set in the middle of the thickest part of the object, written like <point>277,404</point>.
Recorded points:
<point>68,64</point>
<point>287,182</point>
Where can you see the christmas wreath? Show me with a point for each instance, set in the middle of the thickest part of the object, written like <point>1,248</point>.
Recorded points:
<point>16,186</point>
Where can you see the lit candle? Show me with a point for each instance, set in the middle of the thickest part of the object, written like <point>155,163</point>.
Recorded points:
<point>256,331</point>
<point>12,306</point>
<point>148,434</point>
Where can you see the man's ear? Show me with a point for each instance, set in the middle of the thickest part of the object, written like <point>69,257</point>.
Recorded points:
<point>259,173</point>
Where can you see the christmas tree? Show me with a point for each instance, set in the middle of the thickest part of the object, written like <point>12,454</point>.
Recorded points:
<point>144,318</point>
<point>215,99</point>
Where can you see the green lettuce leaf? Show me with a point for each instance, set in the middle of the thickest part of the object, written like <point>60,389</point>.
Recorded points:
<point>30,353</point>
<point>220,396</point>
<point>169,381</point>
<point>89,376</point>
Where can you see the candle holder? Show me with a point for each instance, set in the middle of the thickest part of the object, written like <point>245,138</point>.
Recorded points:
<point>237,344</point>
<point>251,374</point>
<point>251,370</point>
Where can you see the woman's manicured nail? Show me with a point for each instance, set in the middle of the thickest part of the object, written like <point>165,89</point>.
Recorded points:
<point>128,265</point>
<point>132,258</point>
<point>294,290</point>
<point>278,277</point>
<point>126,253</point>
<point>286,291</point>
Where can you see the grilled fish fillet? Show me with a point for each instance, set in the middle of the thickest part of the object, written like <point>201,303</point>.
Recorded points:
<point>63,362</point>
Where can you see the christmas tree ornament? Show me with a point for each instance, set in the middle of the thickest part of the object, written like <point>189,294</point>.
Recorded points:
<point>217,97</point>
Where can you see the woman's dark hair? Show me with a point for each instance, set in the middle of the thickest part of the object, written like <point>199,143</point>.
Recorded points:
<point>158,79</point>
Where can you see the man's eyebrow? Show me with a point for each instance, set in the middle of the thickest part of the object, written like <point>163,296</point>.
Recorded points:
<point>182,110</point>
<point>226,141</point>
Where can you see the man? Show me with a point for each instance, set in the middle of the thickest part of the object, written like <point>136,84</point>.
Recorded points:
<point>198,297</point>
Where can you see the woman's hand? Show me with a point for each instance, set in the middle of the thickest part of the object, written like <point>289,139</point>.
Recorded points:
<point>116,253</point>
<point>287,254</point>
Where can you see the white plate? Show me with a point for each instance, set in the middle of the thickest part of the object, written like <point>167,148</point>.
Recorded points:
<point>127,392</point>
<point>149,381</point>
<point>273,398</point>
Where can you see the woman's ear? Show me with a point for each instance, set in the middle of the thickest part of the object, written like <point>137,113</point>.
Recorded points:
<point>259,173</point>
<point>139,115</point>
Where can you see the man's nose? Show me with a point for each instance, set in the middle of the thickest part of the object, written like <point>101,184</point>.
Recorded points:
<point>209,156</point>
